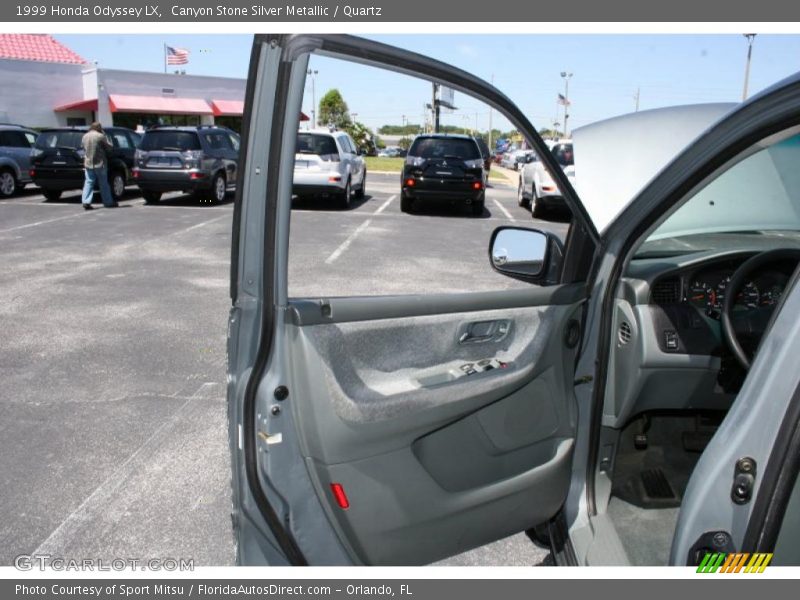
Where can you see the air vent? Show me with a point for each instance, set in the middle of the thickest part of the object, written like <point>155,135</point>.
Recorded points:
<point>625,332</point>
<point>667,291</point>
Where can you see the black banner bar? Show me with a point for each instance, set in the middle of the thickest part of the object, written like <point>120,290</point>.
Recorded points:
<point>275,11</point>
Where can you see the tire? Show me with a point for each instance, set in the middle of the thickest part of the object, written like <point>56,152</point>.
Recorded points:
<point>521,199</point>
<point>8,183</point>
<point>51,195</point>
<point>151,197</point>
<point>536,207</point>
<point>362,190</point>
<point>406,204</point>
<point>117,184</point>
<point>477,208</point>
<point>345,196</point>
<point>219,188</point>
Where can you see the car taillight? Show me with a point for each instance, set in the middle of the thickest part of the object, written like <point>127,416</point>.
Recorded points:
<point>135,173</point>
<point>477,185</point>
<point>197,175</point>
<point>32,172</point>
<point>334,178</point>
<point>410,182</point>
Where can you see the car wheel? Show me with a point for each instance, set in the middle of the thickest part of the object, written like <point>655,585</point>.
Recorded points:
<point>406,204</point>
<point>151,197</point>
<point>117,182</point>
<point>51,195</point>
<point>344,197</point>
<point>536,206</point>
<point>8,184</point>
<point>219,188</point>
<point>521,199</point>
<point>477,208</point>
<point>362,190</point>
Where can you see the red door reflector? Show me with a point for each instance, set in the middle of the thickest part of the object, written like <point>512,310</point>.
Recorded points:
<point>340,496</point>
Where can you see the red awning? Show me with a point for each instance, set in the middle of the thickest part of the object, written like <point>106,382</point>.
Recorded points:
<point>235,108</point>
<point>78,105</point>
<point>228,108</point>
<point>158,104</point>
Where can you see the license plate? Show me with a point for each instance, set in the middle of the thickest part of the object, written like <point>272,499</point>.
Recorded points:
<point>301,164</point>
<point>59,162</point>
<point>444,172</point>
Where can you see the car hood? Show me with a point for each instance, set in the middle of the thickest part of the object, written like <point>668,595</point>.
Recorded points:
<point>616,158</point>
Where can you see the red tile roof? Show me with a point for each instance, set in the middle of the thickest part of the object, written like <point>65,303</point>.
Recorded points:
<point>37,47</point>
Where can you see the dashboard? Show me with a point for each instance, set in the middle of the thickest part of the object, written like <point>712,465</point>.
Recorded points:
<point>705,288</point>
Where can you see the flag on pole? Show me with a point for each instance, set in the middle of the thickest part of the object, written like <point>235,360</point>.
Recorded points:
<point>563,101</point>
<point>177,56</point>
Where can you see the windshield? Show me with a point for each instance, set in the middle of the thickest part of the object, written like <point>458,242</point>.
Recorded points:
<point>179,141</point>
<point>445,148</point>
<point>59,139</point>
<point>759,193</point>
<point>315,143</point>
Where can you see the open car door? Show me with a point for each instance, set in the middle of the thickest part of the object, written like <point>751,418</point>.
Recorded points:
<point>356,435</point>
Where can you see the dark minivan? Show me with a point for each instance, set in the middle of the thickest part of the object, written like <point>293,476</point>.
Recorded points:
<point>201,160</point>
<point>443,167</point>
<point>57,160</point>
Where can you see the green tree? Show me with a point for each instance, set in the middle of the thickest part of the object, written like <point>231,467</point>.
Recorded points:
<point>362,136</point>
<point>404,143</point>
<point>333,110</point>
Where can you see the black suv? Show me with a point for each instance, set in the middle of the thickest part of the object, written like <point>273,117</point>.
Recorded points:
<point>57,160</point>
<point>446,167</point>
<point>202,160</point>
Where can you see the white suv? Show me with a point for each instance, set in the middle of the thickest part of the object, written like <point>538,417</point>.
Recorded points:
<point>328,164</point>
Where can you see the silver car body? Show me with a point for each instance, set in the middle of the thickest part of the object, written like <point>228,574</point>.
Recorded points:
<point>15,157</point>
<point>319,173</point>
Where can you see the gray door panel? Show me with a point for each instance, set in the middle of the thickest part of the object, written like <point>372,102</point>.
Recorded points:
<point>369,392</point>
<point>431,470</point>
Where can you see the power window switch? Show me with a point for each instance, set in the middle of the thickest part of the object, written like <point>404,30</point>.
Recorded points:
<point>670,339</point>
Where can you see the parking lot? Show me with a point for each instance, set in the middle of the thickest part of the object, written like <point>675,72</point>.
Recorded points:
<point>113,439</point>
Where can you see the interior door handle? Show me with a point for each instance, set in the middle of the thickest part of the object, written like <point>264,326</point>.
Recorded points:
<point>484,331</point>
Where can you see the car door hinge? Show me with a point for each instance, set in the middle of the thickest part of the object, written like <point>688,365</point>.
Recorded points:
<point>744,479</point>
<point>584,379</point>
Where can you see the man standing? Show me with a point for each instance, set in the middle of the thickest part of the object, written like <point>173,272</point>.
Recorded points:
<point>96,147</point>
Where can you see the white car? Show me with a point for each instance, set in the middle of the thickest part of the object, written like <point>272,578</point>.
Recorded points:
<point>328,164</point>
<point>537,189</point>
<point>514,158</point>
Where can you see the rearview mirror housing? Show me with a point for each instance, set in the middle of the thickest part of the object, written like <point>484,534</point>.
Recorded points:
<point>526,254</point>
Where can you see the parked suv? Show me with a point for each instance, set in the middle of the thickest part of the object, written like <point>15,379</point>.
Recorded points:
<point>15,158</point>
<point>57,160</point>
<point>445,167</point>
<point>328,164</point>
<point>201,160</point>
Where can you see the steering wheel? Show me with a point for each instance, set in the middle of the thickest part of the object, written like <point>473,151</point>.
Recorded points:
<point>754,323</point>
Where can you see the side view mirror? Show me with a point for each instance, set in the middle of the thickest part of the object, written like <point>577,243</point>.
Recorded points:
<point>522,253</point>
<point>530,158</point>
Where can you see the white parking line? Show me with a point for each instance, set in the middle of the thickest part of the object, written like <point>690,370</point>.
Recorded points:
<point>503,209</point>
<point>350,238</point>
<point>346,244</point>
<point>383,206</point>
<point>27,225</point>
<point>203,224</point>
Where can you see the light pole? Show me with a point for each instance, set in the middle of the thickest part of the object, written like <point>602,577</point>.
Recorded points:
<point>313,74</point>
<point>566,77</point>
<point>750,37</point>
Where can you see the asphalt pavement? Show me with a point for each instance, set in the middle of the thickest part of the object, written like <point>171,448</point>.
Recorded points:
<point>113,437</point>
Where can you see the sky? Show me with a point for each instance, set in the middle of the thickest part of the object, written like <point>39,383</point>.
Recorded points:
<point>607,69</point>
